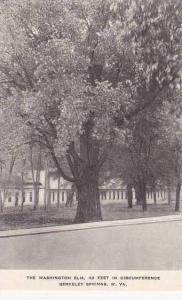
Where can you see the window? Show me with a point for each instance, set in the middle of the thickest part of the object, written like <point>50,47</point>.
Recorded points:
<point>9,199</point>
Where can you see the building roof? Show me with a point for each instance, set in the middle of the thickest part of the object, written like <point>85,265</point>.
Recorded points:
<point>114,183</point>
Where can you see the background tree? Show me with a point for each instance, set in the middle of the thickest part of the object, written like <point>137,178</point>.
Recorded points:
<point>81,75</point>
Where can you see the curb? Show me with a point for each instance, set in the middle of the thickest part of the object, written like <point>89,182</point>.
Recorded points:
<point>85,226</point>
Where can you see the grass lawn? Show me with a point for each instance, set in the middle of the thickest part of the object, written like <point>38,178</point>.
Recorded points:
<point>12,218</point>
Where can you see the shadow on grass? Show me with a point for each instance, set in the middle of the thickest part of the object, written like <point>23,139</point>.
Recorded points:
<point>13,218</point>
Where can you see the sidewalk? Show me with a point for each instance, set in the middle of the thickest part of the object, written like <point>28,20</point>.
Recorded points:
<point>93,225</point>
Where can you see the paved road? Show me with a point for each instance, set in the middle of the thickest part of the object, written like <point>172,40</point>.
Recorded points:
<point>148,246</point>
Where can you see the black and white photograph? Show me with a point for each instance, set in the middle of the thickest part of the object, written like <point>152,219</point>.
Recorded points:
<point>91,135</point>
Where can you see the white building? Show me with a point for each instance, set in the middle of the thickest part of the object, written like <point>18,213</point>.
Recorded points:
<point>52,189</point>
<point>47,188</point>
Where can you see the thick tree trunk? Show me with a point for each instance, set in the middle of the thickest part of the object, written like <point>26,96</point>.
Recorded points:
<point>130,195</point>
<point>85,166</point>
<point>178,189</point>
<point>86,172</point>
<point>88,209</point>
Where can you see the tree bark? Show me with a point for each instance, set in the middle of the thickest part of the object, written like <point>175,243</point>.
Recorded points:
<point>88,208</point>
<point>138,193</point>
<point>1,202</point>
<point>143,194</point>
<point>48,192</point>
<point>85,170</point>
<point>58,195</point>
<point>22,191</point>
<point>130,195</point>
<point>178,189</point>
<point>16,199</point>
<point>154,192</point>
<point>5,191</point>
<point>84,166</point>
<point>35,175</point>
<point>45,188</point>
<point>169,194</point>
<point>22,185</point>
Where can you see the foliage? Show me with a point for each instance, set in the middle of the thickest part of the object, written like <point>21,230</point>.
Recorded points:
<point>87,70</point>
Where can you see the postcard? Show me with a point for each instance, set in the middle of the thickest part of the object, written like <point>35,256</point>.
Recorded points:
<point>90,145</point>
